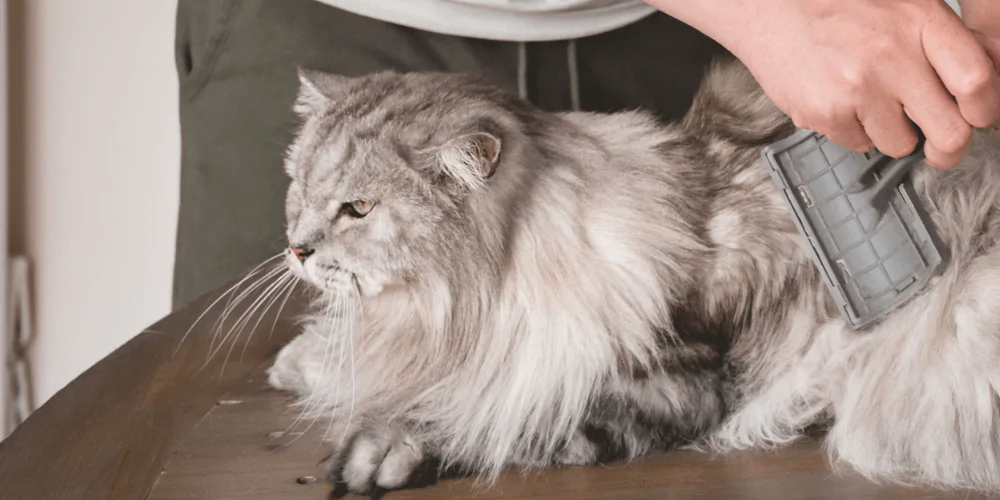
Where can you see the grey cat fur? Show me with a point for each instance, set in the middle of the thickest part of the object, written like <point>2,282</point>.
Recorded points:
<point>534,289</point>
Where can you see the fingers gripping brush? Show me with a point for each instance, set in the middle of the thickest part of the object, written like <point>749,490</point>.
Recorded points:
<point>870,237</point>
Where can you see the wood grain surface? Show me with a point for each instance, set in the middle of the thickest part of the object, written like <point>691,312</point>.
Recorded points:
<point>146,423</point>
<point>110,432</point>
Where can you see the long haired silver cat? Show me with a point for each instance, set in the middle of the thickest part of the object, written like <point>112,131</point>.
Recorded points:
<point>500,286</point>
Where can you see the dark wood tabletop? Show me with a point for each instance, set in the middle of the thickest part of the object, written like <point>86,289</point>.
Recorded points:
<point>158,420</point>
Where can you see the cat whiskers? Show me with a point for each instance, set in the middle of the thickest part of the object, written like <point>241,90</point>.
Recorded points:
<point>309,404</point>
<point>228,294</point>
<point>271,294</point>
<point>350,333</point>
<point>284,302</point>
<point>339,329</point>
<point>343,333</point>
<point>277,275</point>
<point>235,299</point>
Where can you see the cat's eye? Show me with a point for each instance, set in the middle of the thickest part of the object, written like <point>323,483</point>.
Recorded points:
<point>358,208</point>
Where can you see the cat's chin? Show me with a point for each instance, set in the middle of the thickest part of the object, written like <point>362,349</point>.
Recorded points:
<point>341,284</point>
<point>348,284</point>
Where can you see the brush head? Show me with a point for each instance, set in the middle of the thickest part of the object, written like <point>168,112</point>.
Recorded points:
<point>870,237</point>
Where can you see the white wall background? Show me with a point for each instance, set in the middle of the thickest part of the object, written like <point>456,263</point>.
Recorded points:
<point>99,168</point>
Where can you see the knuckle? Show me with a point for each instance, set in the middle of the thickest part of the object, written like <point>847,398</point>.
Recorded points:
<point>884,44</point>
<point>853,80</point>
<point>836,114</point>
<point>975,81</point>
<point>820,112</point>
<point>800,120</point>
<point>812,120</point>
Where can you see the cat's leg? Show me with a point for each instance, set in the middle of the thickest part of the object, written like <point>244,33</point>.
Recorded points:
<point>299,366</point>
<point>311,361</point>
<point>650,414</point>
<point>376,457</point>
<point>637,416</point>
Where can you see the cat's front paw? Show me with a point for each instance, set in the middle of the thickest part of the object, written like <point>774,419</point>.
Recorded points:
<point>299,365</point>
<point>373,462</point>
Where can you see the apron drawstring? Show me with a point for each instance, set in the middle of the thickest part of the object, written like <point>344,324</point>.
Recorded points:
<point>574,75</point>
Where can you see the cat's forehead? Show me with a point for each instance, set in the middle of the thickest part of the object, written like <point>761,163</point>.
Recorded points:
<point>346,166</point>
<point>375,133</point>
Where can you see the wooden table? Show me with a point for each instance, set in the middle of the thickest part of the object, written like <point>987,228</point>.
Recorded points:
<point>154,421</point>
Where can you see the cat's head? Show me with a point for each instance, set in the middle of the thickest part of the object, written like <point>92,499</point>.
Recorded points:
<point>380,172</point>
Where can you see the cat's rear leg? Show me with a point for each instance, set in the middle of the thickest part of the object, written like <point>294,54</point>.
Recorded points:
<point>650,414</point>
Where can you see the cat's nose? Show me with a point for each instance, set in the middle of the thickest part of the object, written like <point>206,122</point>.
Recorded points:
<point>302,253</point>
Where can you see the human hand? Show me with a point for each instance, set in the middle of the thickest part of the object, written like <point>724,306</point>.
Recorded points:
<point>858,71</point>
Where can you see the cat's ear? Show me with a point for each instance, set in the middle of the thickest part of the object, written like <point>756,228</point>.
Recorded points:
<point>471,159</point>
<point>317,90</point>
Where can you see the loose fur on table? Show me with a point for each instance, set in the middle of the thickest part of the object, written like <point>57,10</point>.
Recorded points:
<point>499,286</point>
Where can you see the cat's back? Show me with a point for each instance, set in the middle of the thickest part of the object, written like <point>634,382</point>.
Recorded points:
<point>631,151</point>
